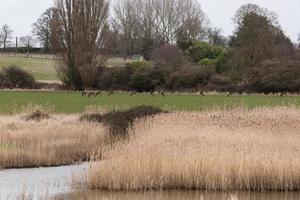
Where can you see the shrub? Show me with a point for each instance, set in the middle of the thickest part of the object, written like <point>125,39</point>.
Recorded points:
<point>141,82</point>
<point>181,80</point>
<point>15,77</point>
<point>200,50</point>
<point>157,78</point>
<point>207,54</point>
<point>190,77</point>
<point>89,75</point>
<point>138,64</point>
<point>146,80</point>
<point>143,79</point>
<point>4,82</point>
<point>168,57</point>
<point>220,83</point>
<point>121,77</point>
<point>104,80</point>
<point>119,122</point>
<point>276,77</point>
<point>36,116</point>
<point>209,62</point>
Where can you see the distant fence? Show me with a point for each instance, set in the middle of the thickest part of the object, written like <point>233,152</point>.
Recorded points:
<point>35,56</point>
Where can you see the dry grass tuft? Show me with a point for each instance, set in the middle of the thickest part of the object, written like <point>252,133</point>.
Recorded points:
<point>60,140</point>
<point>91,117</point>
<point>218,150</point>
<point>37,116</point>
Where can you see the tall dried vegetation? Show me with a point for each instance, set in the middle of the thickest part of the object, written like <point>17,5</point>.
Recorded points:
<point>60,140</point>
<point>216,150</point>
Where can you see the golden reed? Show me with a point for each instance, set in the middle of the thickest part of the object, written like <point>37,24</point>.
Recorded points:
<point>239,149</point>
<point>60,140</point>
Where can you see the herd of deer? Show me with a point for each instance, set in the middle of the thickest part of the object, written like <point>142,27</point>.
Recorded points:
<point>110,93</point>
<point>132,93</point>
<point>161,93</point>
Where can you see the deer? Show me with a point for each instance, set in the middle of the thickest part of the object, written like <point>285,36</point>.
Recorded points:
<point>89,94</point>
<point>133,93</point>
<point>152,93</point>
<point>97,94</point>
<point>202,93</point>
<point>83,93</point>
<point>110,93</point>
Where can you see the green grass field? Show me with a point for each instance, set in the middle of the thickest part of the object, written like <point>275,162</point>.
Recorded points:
<point>41,69</point>
<point>72,102</point>
<point>45,69</point>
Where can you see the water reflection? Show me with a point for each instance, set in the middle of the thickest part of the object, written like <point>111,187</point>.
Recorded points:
<point>38,182</point>
<point>179,195</point>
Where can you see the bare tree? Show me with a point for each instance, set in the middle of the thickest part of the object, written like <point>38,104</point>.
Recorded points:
<point>126,18</point>
<point>146,24</point>
<point>147,19</point>
<point>27,42</point>
<point>194,24</point>
<point>193,20</point>
<point>215,37</point>
<point>109,42</point>
<point>299,40</point>
<point>42,28</point>
<point>253,8</point>
<point>5,35</point>
<point>168,20</point>
<point>76,35</point>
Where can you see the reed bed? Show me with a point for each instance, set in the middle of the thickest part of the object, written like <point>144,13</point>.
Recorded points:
<point>59,140</point>
<point>219,150</point>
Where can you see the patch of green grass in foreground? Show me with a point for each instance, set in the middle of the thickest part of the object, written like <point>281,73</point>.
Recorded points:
<point>73,102</point>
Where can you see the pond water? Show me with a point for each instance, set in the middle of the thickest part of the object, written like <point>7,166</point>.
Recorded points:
<point>38,182</point>
<point>179,195</point>
<point>56,183</point>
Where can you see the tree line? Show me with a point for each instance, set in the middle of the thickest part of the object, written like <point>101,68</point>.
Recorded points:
<point>181,48</point>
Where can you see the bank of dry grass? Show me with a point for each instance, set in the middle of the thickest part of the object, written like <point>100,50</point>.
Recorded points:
<point>59,140</point>
<point>217,150</point>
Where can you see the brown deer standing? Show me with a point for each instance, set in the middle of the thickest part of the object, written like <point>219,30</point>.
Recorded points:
<point>152,93</point>
<point>133,93</point>
<point>110,93</point>
<point>91,94</point>
<point>83,93</point>
<point>97,94</point>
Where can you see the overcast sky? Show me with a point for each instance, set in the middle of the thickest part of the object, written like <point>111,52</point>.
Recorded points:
<point>20,14</point>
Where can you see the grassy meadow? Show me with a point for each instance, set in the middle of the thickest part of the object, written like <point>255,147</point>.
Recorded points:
<point>73,102</point>
<point>44,69</point>
<point>41,69</point>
